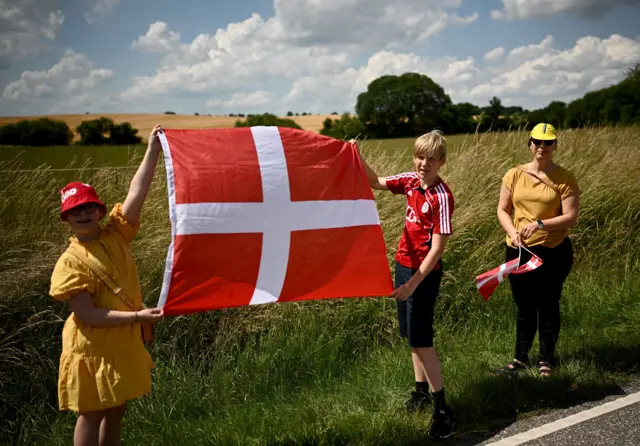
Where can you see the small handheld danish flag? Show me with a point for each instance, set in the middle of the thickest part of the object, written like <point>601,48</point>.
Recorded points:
<point>489,281</point>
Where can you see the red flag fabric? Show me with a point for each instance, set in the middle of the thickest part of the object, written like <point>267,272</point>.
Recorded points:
<point>489,281</point>
<point>268,214</point>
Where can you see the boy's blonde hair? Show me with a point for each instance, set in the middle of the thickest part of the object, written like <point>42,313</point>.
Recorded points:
<point>431,145</point>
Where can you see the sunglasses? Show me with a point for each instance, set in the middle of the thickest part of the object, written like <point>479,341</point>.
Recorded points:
<point>88,208</point>
<point>539,142</point>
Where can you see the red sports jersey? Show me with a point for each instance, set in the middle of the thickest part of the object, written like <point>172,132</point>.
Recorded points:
<point>428,212</point>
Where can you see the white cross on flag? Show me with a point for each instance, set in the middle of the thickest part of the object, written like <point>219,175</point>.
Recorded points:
<point>489,281</point>
<point>268,214</point>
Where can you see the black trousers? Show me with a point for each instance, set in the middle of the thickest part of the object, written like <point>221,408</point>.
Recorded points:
<point>537,297</point>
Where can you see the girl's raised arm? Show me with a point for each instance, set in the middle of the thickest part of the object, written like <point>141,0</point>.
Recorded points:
<point>141,181</point>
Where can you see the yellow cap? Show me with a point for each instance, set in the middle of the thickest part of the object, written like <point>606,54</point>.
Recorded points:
<point>544,132</point>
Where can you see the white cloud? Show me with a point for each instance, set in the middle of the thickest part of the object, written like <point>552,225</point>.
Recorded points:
<point>494,54</point>
<point>559,75</point>
<point>305,38</point>
<point>73,81</point>
<point>304,58</point>
<point>158,39</point>
<point>437,26</point>
<point>243,100</point>
<point>531,9</point>
<point>343,88</point>
<point>366,23</point>
<point>531,76</point>
<point>522,54</point>
<point>26,26</point>
<point>99,10</point>
<point>251,51</point>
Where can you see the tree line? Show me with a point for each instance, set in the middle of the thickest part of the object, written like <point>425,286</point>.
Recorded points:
<point>101,131</point>
<point>412,103</point>
<point>50,132</point>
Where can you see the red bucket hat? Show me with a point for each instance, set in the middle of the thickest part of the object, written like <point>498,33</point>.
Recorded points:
<point>77,193</point>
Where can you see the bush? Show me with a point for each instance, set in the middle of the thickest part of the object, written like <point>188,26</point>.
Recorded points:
<point>345,128</point>
<point>124,134</point>
<point>103,131</point>
<point>38,132</point>
<point>169,113</point>
<point>94,132</point>
<point>267,119</point>
<point>289,113</point>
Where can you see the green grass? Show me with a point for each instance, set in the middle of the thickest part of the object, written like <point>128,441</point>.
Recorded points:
<point>335,371</point>
<point>70,156</point>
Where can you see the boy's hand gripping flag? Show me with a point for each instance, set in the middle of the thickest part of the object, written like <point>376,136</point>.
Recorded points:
<point>268,214</point>
<point>489,281</point>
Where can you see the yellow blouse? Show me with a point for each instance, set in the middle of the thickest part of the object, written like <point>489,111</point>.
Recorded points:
<point>101,367</point>
<point>537,201</point>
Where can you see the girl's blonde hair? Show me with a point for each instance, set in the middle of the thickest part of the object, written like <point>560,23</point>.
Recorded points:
<point>431,145</point>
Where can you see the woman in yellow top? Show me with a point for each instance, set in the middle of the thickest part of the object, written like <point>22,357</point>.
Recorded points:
<point>104,362</point>
<point>544,199</point>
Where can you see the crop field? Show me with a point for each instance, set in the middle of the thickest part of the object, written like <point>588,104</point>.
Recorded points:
<point>332,371</point>
<point>145,122</point>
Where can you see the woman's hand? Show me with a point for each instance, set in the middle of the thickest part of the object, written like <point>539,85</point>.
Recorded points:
<point>516,239</point>
<point>151,315</point>
<point>528,230</point>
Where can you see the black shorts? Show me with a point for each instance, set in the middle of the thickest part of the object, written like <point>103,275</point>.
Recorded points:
<point>415,315</point>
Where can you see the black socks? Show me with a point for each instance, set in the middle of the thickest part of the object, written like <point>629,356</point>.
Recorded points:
<point>422,387</point>
<point>438,400</point>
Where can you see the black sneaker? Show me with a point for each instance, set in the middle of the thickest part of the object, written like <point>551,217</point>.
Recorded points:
<point>442,425</point>
<point>418,402</point>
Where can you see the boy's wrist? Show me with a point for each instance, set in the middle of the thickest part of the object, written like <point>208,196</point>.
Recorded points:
<point>415,280</point>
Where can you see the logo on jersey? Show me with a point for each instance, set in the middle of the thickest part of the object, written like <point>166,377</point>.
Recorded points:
<point>411,215</point>
<point>425,207</point>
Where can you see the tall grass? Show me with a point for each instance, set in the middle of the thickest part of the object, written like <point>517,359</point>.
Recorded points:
<point>335,371</point>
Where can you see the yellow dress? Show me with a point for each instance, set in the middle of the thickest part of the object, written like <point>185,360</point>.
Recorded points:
<point>101,367</point>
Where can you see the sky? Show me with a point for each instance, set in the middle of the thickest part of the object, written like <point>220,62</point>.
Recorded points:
<point>314,56</point>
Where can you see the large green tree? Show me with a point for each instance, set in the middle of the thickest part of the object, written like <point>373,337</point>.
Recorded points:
<point>405,105</point>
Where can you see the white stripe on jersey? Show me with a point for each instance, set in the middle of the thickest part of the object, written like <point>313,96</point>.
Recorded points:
<point>402,175</point>
<point>445,223</point>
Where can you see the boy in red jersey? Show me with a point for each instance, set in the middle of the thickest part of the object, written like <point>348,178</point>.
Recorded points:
<point>418,270</point>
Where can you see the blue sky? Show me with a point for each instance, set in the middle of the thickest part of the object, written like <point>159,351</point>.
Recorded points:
<point>74,56</point>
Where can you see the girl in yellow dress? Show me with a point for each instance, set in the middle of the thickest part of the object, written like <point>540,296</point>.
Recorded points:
<point>104,362</point>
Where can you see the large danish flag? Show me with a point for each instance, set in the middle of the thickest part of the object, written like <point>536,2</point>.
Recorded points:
<point>489,281</point>
<point>268,214</point>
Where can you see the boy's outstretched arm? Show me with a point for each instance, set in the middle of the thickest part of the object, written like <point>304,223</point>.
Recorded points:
<point>376,182</point>
<point>141,181</point>
<point>437,249</point>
